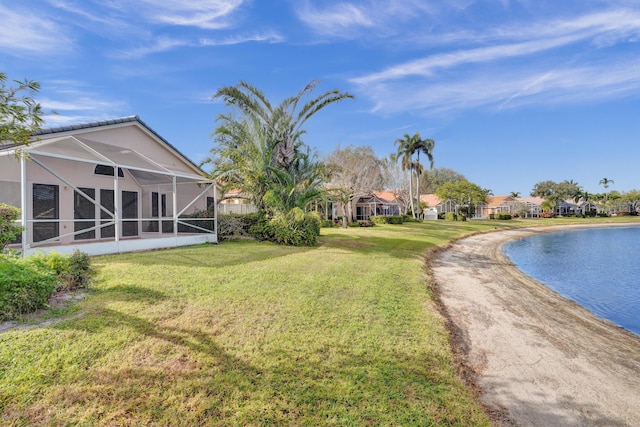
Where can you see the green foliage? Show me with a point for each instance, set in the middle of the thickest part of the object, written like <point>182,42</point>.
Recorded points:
<point>450,216</point>
<point>8,230</point>
<point>25,286</point>
<point>462,193</point>
<point>231,226</point>
<point>327,223</point>
<point>409,218</point>
<point>260,150</point>
<point>80,272</point>
<point>20,115</point>
<point>72,271</point>
<point>502,216</point>
<point>295,228</point>
<point>387,219</point>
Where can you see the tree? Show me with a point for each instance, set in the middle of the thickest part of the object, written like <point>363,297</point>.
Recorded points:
<point>564,190</point>
<point>20,114</point>
<point>395,180</point>
<point>632,198</point>
<point>462,193</point>
<point>408,146</point>
<point>606,182</point>
<point>260,148</point>
<point>432,179</point>
<point>354,172</point>
<point>514,194</point>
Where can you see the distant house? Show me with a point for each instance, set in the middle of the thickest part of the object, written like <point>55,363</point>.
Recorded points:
<point>432,201</point>
<point>106,187</point>
<point>236,201</point>
<point>378,203</point>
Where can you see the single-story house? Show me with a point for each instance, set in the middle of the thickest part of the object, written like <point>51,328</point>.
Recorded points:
<point>106,187</point>
<point>433,202</point>
<point>236,201</point>
<point>378,203</point>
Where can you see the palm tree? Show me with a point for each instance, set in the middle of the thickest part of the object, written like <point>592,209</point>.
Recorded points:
<point>605,182</point>
<point>283,122</point>
<point>514,194</point>
<point>423,146</point>
<point>260,149</point>
<point>407,147</point>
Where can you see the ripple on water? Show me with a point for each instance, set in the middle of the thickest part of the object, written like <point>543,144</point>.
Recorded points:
<point>599,268</point>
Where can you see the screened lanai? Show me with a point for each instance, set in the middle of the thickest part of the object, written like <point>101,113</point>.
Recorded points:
<point>110,187</point>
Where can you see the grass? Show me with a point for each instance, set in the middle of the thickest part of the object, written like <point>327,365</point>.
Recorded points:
<point>248,333</point>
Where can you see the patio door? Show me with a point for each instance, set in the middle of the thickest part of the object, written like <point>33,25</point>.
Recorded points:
<point>46,206</point>
<point>129,211</point>
<point>83,209</point>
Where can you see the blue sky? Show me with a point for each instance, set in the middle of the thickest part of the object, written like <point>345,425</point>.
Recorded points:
<point>513,92</point>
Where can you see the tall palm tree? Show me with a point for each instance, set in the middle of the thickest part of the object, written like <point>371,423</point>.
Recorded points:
<point>283,122</point>
<point>425,146</point>
<point>260,148</point>
<point>408,146</point>
<point>605,182</point>
<point>405,156</point>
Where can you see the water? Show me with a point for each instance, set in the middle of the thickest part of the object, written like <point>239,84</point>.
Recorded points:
<point>599,268</point>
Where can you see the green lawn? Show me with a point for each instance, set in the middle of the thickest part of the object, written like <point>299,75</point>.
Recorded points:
<point>248,333</point>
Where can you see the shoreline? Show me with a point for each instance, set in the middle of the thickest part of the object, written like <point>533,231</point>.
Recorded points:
<point>534,356</point>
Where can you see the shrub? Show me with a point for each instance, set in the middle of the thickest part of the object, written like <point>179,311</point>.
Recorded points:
<point>547,214</point>
<point>503,216</point>
<point>8,230</point>
<point>72,272</point>
<point>294,228</point>
<point>387,219</point>
<point>327,223</point>
<point>24,286</point>
<point>236,225</point>
<point>409,218</point>
<point>450,216</point>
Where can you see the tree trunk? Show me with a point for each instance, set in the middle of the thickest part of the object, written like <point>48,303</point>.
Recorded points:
<point>413,212</point>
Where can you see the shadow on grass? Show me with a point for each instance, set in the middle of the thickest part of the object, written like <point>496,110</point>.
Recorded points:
<point>221,255</point>
<point>201,381</point>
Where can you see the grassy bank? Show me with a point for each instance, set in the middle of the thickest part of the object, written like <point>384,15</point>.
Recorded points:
<point>247,333</point>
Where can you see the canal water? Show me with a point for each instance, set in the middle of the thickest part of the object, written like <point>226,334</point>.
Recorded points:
<point>599,268</point>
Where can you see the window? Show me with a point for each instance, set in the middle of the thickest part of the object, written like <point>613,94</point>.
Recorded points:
<point>107,170</point>
<point>46,205</point>
<point>129,210</point>
<point>84,208</point>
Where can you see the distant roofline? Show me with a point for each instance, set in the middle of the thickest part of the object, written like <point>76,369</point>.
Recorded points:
<point>116,121</point>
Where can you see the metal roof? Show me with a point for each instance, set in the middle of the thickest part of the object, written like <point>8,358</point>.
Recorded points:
<point>116,121</point>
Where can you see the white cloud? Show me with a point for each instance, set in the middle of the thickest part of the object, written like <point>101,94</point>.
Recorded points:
<point>337,19</point>
<point>22,33</point>
<point>206,14</point>
<point>511,88</point>
<point>525,65</point>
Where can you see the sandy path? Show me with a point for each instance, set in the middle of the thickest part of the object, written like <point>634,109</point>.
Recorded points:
<point>538,359</point>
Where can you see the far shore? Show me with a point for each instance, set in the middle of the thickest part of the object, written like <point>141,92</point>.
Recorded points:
<point>535,357</point>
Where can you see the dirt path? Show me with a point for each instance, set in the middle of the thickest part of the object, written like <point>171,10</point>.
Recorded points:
<point>538,358</point>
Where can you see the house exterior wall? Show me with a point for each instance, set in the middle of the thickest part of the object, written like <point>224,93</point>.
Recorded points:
<point>48,167</point>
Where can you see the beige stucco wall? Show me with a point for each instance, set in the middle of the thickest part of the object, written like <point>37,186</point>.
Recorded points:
<point>81,174</point>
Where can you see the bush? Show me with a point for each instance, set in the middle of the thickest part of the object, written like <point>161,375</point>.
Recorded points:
<point>8,230</point>
<point>236,225</point>
<point>72,272</point>
<point>547,214</point>
<point>387,219</point>
<point>409,218</point>
<point>502,216</point>
<point>450,216</point>
<point>24,286</point>
<point>294,228</point>
<point>327,223</point>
